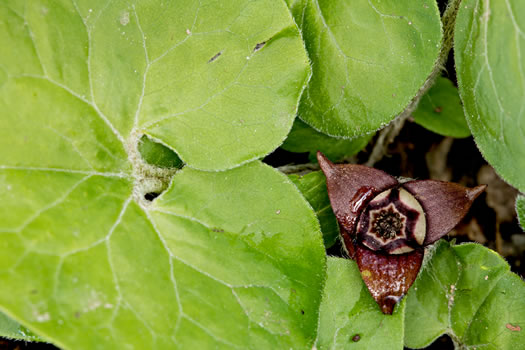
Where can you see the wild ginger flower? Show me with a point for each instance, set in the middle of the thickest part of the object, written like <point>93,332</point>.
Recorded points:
<point>385,224</point>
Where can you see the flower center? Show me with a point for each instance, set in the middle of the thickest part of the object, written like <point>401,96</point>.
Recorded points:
<point>387,223</point>
<point>393,221</point>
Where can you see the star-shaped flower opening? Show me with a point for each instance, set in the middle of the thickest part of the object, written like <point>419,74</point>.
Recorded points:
<point>393,222</point>
<point>385,224</point>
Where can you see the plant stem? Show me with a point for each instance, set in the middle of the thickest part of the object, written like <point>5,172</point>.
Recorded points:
<point>299,169</point>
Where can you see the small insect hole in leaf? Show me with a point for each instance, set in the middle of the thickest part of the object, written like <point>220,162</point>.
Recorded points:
<point>259,46</point>
<point>217,55</point>
<point>302,312</point>
<point>151,196</point>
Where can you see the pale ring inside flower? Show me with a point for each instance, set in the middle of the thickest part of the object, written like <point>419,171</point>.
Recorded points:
<point>393,222</point>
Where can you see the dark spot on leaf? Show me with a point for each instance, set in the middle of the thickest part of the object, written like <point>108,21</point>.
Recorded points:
<point>77,314</point>
<point>438,109</point>
<point>150,196</point>
<point>216,229</point>
<point>217,55</point>
<point>302,312</point>
<point>356,338</point>
<point>259,46</point>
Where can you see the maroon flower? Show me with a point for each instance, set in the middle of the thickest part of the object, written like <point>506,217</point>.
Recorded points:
<point>385,224</point>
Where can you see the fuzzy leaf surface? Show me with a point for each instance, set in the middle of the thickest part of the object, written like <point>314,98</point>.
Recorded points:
<point>369,59</point>
<point>520,210</point>
<point>441,111</point>
<point>13,330</point>
<point>488,45</point>
<point>218,83</point>
<point>468,292</point>
<point>142,275</point>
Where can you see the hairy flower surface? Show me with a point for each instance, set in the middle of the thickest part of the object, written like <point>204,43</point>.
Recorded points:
<point>385,224</point>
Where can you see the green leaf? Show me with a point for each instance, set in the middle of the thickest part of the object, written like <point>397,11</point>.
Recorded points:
<point>441,111</point>
<point>491,81</point>
<point>142,274</point>
<point>14,330</point>
<point>230,259</point>
<point>313,188</point>
<point>350,318</point>
<point>520,210</point>
<point>157,154</point>
<point>468,292</point>
<point>303,138</point>
<point>218,83</point>
<point>369,59</point>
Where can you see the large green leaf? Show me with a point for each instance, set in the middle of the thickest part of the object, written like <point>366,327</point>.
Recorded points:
<point>232,259</point>
<point>440,110</point>
<point>489,37</point>
<point>87,264</point>
<point>369,59</point>
<point>313,188</point>
<point>217,82</point>
<point>350,318</point>
<point>303,138</point>
<point>468,292</point>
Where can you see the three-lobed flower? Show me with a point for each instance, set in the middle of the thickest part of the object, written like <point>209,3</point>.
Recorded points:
<point>385,224</point>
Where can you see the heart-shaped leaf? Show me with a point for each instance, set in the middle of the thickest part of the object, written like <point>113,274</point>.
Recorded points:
<point>303,138</point>
<point>440,110</point>
<point>369,59</point>
<point>218,83</point>
<point>92,266</point>
<point>489,37</point>
<point>313,188</point>
<point>231,259</point>
<point>350,318</point>
<point>467,292</point>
